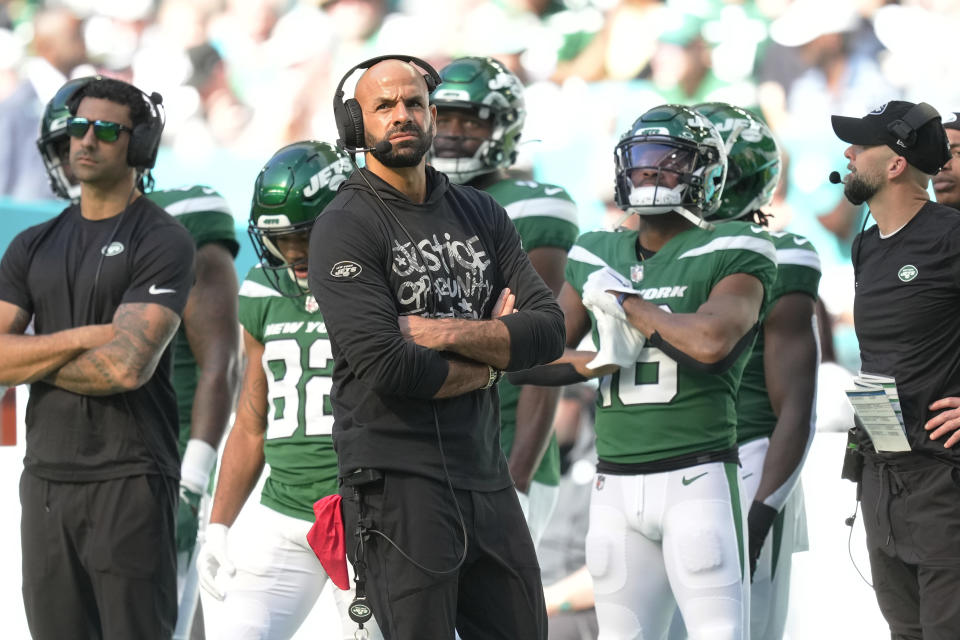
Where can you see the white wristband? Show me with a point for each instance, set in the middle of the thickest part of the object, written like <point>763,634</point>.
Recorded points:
<point>198,461</point>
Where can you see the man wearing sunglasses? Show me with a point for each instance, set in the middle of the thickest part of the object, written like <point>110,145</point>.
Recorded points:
<point>105,283</point>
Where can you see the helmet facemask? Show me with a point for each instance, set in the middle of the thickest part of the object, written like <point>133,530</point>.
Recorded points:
<point>489,153</point>
<point>265,237</point>
<point>659,174</point>
<point>486,90</point>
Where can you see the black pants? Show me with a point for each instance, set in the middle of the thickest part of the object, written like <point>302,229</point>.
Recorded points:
<point>911,513</point>
<point>99,559</point>
<point>495,594</point>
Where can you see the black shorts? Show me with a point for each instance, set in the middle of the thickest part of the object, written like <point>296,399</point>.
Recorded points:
<point>99,559</point>
<point>911,513</point>
<point>496,594</point>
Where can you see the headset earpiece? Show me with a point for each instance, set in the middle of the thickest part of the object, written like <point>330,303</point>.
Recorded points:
<point>145,137</point>
<point>353,135</point>
<point>906,128</point>
<point>349,116</point>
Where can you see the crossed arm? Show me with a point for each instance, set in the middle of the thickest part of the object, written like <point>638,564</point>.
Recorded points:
<point>28,358</point>
<point>483,341</point>
<point>466,339</point>
<point>140,333</point>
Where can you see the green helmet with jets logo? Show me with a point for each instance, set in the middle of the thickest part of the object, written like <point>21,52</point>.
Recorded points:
<point>753,159</point>
<point>292,189</point>
<point>487,90</point>
<point>54,143</point>
<point>671,159</point>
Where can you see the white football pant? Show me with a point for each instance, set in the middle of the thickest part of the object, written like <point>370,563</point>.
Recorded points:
<point>278,580</point>
<point>662,540</point>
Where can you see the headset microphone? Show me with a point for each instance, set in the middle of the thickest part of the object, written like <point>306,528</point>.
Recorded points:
<point>384,146</point>
<point>834,177</point>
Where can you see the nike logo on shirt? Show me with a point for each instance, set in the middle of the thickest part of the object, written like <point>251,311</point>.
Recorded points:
<point>550,191</point>
<point>155,291</point>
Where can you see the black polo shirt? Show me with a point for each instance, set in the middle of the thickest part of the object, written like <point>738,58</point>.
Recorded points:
<point>907,314</point>
<point>71,272</point>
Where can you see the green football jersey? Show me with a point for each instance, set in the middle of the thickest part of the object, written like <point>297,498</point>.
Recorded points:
<point>298,363</point>
<point>545,216</point>
<point>206,215</point>
<point>659,408</point>
<point>798,271</point>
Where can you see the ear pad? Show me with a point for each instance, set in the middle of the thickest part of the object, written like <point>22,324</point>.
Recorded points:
<point>431,82</point>
<point>353,124</point>
<point>906,134</point>
<point>143,146</point>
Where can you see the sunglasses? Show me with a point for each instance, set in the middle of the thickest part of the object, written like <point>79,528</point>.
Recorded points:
<point>102,129</point>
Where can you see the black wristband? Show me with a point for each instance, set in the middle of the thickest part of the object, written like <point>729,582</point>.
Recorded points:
<point>547,375</point>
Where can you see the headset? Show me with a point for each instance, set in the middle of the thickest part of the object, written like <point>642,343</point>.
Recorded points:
<point>906,128</point>
<point>145,137</point>
<point>348,114</point>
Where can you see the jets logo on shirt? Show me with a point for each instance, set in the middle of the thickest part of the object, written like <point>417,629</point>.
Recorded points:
<point>346,269</point>
<point>112,249</point>
<point>907,272</point>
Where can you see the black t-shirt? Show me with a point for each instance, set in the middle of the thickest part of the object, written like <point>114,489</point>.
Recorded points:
<point>907,315</point>
<point>51,271</point>
<point>451,257</point>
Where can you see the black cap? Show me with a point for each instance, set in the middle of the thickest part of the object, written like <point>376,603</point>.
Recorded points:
<point>912,130</point>
<point>952,120</point>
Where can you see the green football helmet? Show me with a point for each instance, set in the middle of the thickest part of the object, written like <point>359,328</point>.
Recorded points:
<point>671,159</point>
<point>753,158</point>
<point>488,90</point>
<point>292,189</point>
<point>54,143</point>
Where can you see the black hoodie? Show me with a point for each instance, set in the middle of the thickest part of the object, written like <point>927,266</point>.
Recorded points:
<point>365,272</point>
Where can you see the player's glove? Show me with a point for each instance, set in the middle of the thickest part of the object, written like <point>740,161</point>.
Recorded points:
<point>188,519</point>
<point>620,341</point>
<point>606,279</point>
<point>213,562</point>
<point>759,520</point>
<point>195,468</point>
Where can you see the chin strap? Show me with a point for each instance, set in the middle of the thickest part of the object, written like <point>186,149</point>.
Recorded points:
<point>623,218</point>
<point>687,214</point>
<point>694,218</point>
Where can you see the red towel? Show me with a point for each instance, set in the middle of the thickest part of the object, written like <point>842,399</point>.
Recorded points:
<point>327,540</point>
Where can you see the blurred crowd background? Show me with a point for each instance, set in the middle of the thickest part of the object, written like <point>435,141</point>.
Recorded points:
<point>240,78</point>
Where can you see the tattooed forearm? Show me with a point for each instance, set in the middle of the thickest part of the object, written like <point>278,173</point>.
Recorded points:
<point>26,359</point>
<point>141,333</point>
